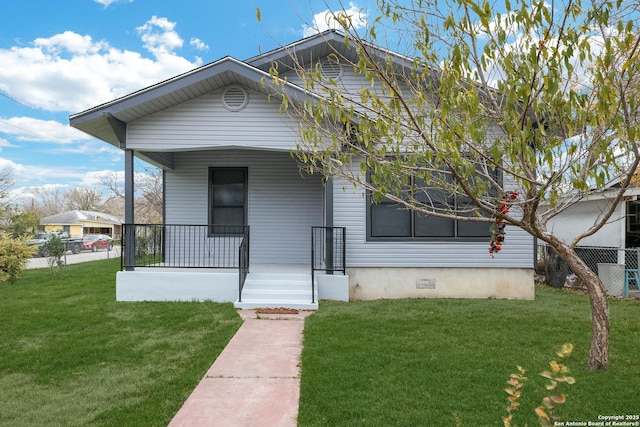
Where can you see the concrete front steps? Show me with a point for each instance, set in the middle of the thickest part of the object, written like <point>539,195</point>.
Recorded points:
<point>273,290</point>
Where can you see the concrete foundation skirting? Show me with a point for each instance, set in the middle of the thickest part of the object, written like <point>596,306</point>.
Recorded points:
<point>163,285</point>
<point>158,284</point>
<point>368,283</point>
<point>364,283</point>
<point>333,287</point>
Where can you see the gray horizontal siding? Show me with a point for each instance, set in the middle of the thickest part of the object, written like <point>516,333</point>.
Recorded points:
<point>349,82</point>
<point>350,212</point>
<point>204,123</point>
<point>283,205</point>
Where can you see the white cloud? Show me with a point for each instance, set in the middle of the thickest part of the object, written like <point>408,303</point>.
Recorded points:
<point>54,178</point>
<point>327,19</point>
<point>107,3</point>
<point>24,195</point>
<point>71,72</point>
<point>5,143</point>
<point>25,176</point>
<point>198,44</point>
<point>93,147</point>
<point>159,36</point>
<point>94,179</point>
<point>10,167</point>
<point>68,41</point>
<point>30,129</point>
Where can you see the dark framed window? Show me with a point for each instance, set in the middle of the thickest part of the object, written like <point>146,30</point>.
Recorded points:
<point>388,220</point>
<point>228,199</point>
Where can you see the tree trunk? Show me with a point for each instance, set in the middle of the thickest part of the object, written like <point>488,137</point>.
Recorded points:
<point>599,348</point>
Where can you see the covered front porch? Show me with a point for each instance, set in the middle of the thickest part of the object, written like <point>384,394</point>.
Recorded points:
<point>189,263</point>
<point>240,225</point>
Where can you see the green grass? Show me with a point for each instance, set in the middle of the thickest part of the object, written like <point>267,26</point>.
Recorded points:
<point>70,355</point>
<point>427,362</point>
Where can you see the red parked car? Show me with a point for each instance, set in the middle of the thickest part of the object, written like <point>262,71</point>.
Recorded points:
<point>93,242</point>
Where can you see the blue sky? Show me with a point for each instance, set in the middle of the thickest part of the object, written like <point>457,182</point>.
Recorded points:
<point>59,58</point>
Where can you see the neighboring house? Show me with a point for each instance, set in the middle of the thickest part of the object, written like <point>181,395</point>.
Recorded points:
<point>225,147</point>
<point>621,231</point>
<point>78,223</point>
<point>613,252</point>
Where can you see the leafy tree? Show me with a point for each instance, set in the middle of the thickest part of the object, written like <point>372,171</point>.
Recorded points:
<point>544,94</point>
<point>14,257</point>
<point>24,224</point>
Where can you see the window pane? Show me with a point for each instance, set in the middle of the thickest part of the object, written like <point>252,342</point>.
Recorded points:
<point>388,220</point>
<point>227,197</point>
<point>473,229</point>
<point>431,226</point>
<point>433,197</point>
<point>228,216</point>
<point>228,187</point>
<point>438,199</point>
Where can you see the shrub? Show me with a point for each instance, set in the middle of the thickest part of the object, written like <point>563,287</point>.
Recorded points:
<point>55,248</point>
<point>14,257</point>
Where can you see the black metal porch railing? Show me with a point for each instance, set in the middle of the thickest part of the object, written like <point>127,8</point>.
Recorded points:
<point>243,262</point>
<point>328,252</point>
<point>183,246</point>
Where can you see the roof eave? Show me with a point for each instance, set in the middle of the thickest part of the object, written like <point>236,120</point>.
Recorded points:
<point>96,120</point>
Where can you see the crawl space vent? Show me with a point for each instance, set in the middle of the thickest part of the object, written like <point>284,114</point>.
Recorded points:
<point>235,98</point>
<point>330,68</point>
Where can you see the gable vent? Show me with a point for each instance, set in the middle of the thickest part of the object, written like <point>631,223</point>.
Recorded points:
<point>235,98</point>
<point>330,68</point>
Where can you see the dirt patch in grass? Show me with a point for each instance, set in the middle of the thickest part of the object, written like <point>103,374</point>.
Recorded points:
<point>280,310</point>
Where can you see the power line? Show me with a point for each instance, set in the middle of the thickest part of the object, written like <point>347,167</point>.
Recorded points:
<point>16,101</point>
<point>43,137</point>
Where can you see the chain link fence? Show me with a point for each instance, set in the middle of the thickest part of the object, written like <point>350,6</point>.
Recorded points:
<point>616,267</point>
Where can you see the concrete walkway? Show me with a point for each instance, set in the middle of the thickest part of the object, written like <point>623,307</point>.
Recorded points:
<point>256,379</point>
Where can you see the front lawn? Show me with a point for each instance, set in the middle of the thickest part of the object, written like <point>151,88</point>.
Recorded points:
<point>444,362</point>
<point>70,355</point>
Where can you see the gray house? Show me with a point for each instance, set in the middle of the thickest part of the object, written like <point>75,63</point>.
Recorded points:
<point>243,223</point>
